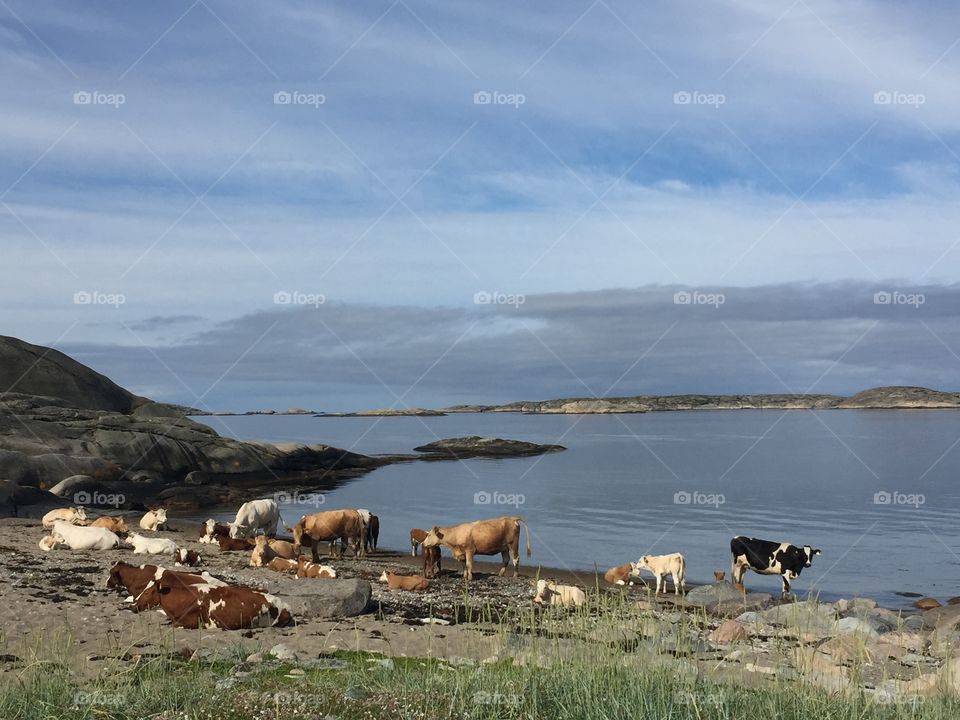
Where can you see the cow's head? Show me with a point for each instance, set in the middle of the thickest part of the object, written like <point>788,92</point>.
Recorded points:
<point>160,514</point>
<point>48,543</point>
<point>433,538</point>
<point>545,588</point>
<point>808,553</point>
<point>641,564</point>
<point>237,530</point>
<point>80,513</point>
<point>383,578</point>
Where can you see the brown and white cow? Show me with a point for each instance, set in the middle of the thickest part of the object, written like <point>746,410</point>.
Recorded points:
<point>661,566</point>
<point>563,595</point>
<point>111,523</point>
<point>187,557</point>
<point>414,583</point>
<point>229,544</point>
<point>306,569</point>
<point>347,526</point>
<point>279,564</point>
<point>619,575</point>
<point>211,530</point>
<point>482,537</point>
<point>141,582</point>
<point>225,607</point>
<point>74,515</point>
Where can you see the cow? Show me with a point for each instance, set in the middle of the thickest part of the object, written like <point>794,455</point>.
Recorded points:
<point>225,607</point>
<point>619,575</point>
<point>113,524</point>
<point>229,544</point>
<point>280,564</point>
<point>417,536</point>
<point>74,516</point>
<point>563,595</point>
<point>151,546</point>
<point>256,515</point>
<point>414,583</point>
<point>48,543</point>
<point>768,558</point>
<point>77,537</point>
<point>211,530</point>
<point>265,550</point>
<point>140,582</point>
<point>482,537</point>
<point>661,566</point>
<point>331,525</point>
<point>719,575</point>
<point>307,569</point>
<point>372,535</point>
<point>154,520</point>
<point>431,561</point>
<point>186,557</point>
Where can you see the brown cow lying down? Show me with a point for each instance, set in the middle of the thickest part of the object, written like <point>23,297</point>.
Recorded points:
<point>141,582</point>
<point>226,607</point>
<point>266,550</point>
<point>280,564</point>
<point>482,537</point>
<point>307,569</point>
<point>229,544</point>
<point>619,575</point>
<point>114,524</point>
<point>415,583</point>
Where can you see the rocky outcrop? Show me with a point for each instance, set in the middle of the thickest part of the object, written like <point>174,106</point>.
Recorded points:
<point>386,412</point>
<point>878,398</point>
<point>475,446</point>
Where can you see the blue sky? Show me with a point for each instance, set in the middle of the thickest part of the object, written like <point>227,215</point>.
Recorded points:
<point>735,146</point>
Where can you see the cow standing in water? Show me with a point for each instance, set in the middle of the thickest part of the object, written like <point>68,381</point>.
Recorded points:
<point>768,558</point>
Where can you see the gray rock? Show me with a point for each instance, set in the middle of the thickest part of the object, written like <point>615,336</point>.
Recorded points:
<point>717,592</point>
<point>327,598</point>
<point>854,625</point>
<point>807,615</point>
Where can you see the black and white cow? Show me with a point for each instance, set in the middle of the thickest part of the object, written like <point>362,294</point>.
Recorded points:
<point>769,558</point>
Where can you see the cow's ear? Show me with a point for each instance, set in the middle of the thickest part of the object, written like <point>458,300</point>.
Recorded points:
<point>817,551</point>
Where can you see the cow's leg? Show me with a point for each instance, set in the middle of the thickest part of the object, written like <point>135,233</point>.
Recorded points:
<point>468,566</point>
<point>515,558</point>
<point>676,584</point>
<point>659,580</point>
<point>786,583</point>
<point>505,557</point>
<point>315,550</point>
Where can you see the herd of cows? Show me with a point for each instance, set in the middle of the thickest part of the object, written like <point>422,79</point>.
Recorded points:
<point>192,599</point>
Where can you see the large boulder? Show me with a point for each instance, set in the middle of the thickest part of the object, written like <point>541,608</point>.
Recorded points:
<point>716,593</point>
<point>327,598</point>
<point>805,616</point>
<point>17,500</point>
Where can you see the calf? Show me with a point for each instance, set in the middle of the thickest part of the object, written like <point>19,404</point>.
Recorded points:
<point>417,536</point>
<point>414,583</point>
<point>280,564</point>
<point>151,546</point>
<point>565,595</point>
<point>229,544</point>
<point>186,557</point>
<point>74,516</point>
<point>225,607</point>
<point>154,520</point>
<point>48,543</point>
<point>661,566</point>
<point>306,569</point>
<point>431,561</point>
<point>113,524</point>
<point>211,530</point>
<point>77,537</point>
<point>768,558</point>
<point>619,575</point>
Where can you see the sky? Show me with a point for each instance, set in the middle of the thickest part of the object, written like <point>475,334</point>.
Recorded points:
<point>348,205</point>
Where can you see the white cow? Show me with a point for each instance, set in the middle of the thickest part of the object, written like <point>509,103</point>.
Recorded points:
<point>256,515</point>
<point>77,537</point>
<point>154,519</point>
<point>151,546</point>
<point>552,594</point>
<point>661,566</point>
<point>74,516</point>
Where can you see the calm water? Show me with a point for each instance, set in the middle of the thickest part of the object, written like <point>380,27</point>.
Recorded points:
<point>802,477</point>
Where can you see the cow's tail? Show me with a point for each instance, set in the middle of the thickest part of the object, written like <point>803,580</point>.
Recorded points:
<point>521,521</point>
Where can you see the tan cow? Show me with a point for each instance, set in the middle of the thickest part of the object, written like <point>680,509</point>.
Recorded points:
<point>563,595</point>
<point>74,516</point>
<point>154,520</point>
<point>113,524</point>
<point>661,566</point>
<point>619,575</point>
<point>482,537</point>
<point>266,550</point>
<point>414,583</point>
<point>330,525</point>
